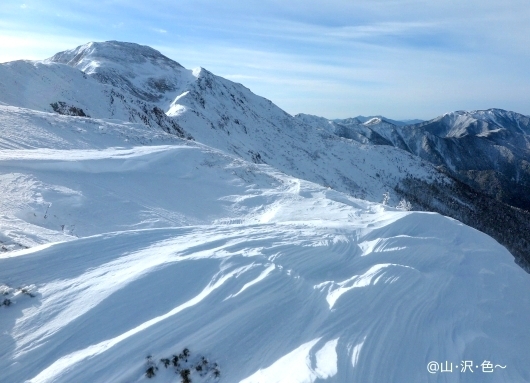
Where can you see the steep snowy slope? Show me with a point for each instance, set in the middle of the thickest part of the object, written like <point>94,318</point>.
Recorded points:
<point>269,278</point>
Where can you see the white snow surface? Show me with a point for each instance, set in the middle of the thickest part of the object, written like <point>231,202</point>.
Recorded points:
<point>120,241</point>
<point>276,279</point>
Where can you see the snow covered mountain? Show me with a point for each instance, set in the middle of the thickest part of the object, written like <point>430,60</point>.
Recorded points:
<point>125,81</point>
<point>374,130</point>
<point>487,149</point>
<point>51,87</point>
<point>129,82</point>
<point>364,119</point>
<point>132,253</point>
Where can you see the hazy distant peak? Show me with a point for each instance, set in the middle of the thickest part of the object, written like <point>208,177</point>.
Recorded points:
<point>378,121</point>
<point>350,121</point>
<point>478,122</point>
<point>371,120</point>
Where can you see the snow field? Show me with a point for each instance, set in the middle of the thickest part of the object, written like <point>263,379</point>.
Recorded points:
<point>326,287</point>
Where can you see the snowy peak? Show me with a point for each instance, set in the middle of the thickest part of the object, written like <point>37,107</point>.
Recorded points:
<point>365,119</point>
<point>137,69</point>
<point>480,123</point>
<point>373,121</point>
<point>377,130</point>
<point>379,121</point>
<point>316,122</point>
<point>90,56</point>
<point>350,121</point>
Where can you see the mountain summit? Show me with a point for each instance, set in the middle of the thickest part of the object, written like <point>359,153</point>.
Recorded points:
<point>138,69</point>
<point>89,56</point>
<point>481,123</point>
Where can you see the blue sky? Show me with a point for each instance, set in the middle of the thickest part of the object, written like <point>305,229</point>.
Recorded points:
<point>335,58</point>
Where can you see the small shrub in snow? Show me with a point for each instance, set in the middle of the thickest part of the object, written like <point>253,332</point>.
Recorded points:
<point>165,361</point>
<point>150,372</point>
<point>185,366</point>
<point>151,367</point>
<point>404,205</point>
<point>185,375</point>
<point>9,294</point>
<point>386,198</point>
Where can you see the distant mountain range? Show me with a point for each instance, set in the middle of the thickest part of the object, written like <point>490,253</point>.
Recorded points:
<point>364,119</point>
<point>488,150</point>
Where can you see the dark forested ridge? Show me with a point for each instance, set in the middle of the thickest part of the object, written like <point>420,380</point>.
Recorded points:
<point>509,225</point>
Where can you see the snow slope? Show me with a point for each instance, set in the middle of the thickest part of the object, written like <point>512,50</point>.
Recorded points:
<point>273,278</point>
